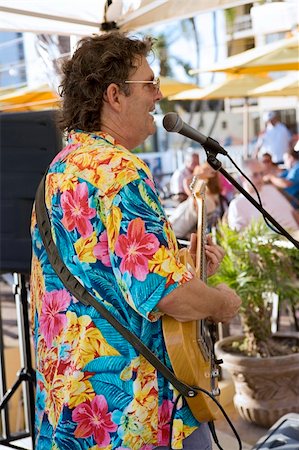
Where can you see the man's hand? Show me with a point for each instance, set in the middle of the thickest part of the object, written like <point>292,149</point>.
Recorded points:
<point>214,253</point>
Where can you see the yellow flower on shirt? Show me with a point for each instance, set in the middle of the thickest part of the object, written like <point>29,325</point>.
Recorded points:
<point>56,398</point>
<point>104,178</point>
<point>84,248</point>
<point>68,182</point>
<point>113,226</point>
<point>165,264</point>
<point>96,447</point>
<point>79,388</point>
<point>180,432</point>
<point>37,281</point>
<point>87,342</point>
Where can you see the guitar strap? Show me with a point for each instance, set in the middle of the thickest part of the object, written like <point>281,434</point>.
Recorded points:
<point>80,293</point>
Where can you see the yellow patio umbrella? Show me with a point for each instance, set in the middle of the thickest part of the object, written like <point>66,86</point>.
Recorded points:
<point>284,86</point>
<point>234,86</point>
<point>276,56</point>
<point>170,86</point>
<point>29,99</point>
<point>42,97</point>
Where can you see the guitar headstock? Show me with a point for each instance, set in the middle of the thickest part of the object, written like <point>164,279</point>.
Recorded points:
<point>197,187</point>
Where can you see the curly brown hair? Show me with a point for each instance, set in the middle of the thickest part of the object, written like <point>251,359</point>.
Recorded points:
<point>98,61</point>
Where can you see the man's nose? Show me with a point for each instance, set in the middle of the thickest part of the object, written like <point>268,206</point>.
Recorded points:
<point>159,95</point>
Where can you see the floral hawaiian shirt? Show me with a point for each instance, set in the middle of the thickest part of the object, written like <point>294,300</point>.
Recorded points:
<point>94,390</point>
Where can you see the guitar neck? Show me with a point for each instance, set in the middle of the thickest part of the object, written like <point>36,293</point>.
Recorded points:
<point>200,268</point>
<point>198,188</point>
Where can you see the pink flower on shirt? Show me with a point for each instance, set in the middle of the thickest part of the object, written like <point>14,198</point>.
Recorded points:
<point>94,420</point>
<point>68,149</point>
<point>52,320</point>
<point>164,415</point>
<point>101,250</point>
<point>135,248</point>
<point>76,212</point>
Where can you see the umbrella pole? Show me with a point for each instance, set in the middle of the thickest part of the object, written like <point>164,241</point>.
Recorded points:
<point>246,128</point>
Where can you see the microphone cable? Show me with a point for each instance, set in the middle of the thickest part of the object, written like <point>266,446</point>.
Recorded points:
<point>210,424</point>
<point>258,195</point>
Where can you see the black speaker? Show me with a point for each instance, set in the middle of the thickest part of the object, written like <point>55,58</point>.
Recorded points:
<point>29,141</point>
<point>284,434</point>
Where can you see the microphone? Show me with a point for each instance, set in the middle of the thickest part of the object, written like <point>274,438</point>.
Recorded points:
<point>172,122</point>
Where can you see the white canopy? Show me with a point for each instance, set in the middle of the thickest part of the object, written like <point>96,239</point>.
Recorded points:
<point>77,17</point>
<point>64,17</point>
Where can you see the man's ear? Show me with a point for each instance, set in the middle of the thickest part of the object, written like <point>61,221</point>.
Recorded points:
<point>113,96</point>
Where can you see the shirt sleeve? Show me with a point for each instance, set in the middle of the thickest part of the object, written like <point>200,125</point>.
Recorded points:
<point>292,175</point>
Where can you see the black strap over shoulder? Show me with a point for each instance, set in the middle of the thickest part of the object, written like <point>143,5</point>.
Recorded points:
<point>81,294</point>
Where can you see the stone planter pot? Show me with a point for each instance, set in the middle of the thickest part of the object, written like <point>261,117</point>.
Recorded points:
<point>266,388</point>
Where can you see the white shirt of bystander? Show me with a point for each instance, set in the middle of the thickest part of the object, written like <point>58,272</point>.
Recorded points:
<point>241,212</point>
<point>275,140</point>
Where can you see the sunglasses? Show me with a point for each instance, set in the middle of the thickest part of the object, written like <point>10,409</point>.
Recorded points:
<point>155,82</point>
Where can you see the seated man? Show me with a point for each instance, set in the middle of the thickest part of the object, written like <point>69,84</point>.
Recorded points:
<point>269,167</point>
<point>288,179</point>
<point>180,175</point>
<point>241,212</point>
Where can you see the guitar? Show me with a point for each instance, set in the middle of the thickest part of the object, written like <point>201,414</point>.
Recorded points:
<point>190,345</point>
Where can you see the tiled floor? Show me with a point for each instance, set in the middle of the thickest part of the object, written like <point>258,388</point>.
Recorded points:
<point>249,433</point>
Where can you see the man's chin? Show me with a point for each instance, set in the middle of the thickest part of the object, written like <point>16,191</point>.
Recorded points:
<point>153,128</point>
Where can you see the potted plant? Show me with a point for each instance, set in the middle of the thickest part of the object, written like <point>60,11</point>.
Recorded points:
<point>258,263</point>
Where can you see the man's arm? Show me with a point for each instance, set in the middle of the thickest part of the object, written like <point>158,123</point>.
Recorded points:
<point>195,300</point>
<point>279,182</point>
<point>258,145</point>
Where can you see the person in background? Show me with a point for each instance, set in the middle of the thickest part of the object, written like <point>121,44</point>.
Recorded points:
<point>269,168</point>
<point>241,212</point>
<point>275,139</point>
<point>94,390</point>
<point>182,176</point>
<point>288,179</point>
<point>227,190</point>
<point>184,218</point>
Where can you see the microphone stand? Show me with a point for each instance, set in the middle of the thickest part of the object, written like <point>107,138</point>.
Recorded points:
<point>212,148</point>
